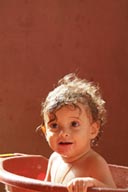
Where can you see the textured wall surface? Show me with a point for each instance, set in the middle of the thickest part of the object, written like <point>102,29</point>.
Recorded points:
<point>40,41</point>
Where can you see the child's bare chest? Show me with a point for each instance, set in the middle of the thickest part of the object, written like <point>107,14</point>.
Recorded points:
<point>63,172</point>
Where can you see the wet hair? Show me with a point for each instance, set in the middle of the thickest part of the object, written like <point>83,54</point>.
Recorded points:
<point>72,90</point>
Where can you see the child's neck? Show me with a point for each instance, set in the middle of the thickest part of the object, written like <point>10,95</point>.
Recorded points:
<point>77,158</point>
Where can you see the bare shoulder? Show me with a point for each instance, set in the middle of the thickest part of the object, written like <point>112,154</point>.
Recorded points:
<point>99,168</point>
<point>53,157</point>
<point>91,163</point>
<point>96,160</point>
<point>51,160</point>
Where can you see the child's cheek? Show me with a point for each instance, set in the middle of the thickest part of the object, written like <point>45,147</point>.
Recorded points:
<point>49,135</point>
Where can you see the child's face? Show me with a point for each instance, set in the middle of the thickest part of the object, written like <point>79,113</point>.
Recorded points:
<point>71,132</point>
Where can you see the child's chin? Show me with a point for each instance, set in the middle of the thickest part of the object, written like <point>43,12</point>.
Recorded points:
<point>63,154</point>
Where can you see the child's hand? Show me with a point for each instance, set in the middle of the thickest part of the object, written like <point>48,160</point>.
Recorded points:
<point>81,184</point>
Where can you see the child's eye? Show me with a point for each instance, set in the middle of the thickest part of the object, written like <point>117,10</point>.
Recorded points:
<point>75,124</point>
<point>53,126</point>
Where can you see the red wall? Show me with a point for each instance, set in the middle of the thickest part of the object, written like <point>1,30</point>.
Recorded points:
<point>40,41</point>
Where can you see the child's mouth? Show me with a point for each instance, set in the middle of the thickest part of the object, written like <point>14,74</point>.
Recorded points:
<point>65,143</point>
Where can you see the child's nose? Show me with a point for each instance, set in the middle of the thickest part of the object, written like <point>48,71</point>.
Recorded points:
<point>64,133</point>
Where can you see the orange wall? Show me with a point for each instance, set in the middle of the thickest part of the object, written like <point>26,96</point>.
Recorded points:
<point>40,41</point>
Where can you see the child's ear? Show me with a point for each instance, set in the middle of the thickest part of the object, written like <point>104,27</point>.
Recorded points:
<point>95,129</point>
<point>43,128</point>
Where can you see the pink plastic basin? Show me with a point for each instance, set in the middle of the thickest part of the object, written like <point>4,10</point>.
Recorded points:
<point>26,173</point>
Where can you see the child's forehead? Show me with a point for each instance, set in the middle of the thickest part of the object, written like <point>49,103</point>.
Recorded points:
<point>73,108</point>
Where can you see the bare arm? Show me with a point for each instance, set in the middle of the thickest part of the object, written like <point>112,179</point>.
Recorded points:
<point>99,176</point>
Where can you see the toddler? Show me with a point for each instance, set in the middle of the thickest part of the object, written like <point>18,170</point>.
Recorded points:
<point>73,118</point>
